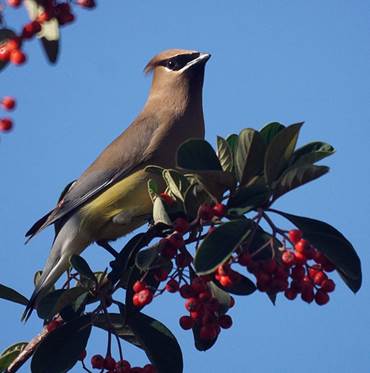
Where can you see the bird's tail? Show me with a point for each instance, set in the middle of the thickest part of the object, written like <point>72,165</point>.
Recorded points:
<point>69,241</point>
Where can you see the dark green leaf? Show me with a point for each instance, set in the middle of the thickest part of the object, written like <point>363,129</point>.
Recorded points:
<point>82,267</point>
<point>269,131</point>
<point>12,295</point>
<point>225,154</point>
<point>194,197</point>
<point>176,183</point>
<point>248,198</point>
<point>217,247</point>
<point>160,214</point>
<point>249,157</point>
<point>279,152</point>
<point>55,301</point>
<point>146,258</point>
<point>311,153</point>
<point>295,177</point>
<point>116,321</point>
<point>5,35</point>
<point>9,354</point>
<point>61,349</point>
<point>232,141</point>
<point>152,190</point>
<point>158,342</point>
<point>223,298</point>
<point>197,154</point>
<point>244,286</point>
<point>333,245</point>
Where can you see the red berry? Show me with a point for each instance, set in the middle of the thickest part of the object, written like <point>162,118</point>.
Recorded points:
<point>186,322</point>
<point>206,212</point>
<point>213,305</point>
<point>321,297</point>
<point>300,258</point>
<point>226,281</point>
<point>176,240</point>
<point>208,332</point>
<point>219,210</point>
<point>232,302</point>
<point>8,103</point>
<point>244,259</point>
<point>172,286</point>
<point>288,258</point>
<point>17,57</point>
<point>302,245</point>
<point>209,318</point>
<point>290,294</point>
<point>44,17</point>
<point>30,29</point>
<point>167,250</point>
<point>167,199</point>
<point>204,296</point>
<point>320,258</point>
<point>192,304</point>
<point>199,285</point>
<point>269,266</point>
<point>181,225</point>
<point>14,3</point>
<point>329,267</point>
<point>198,314</point>
<point>295,235</point>
<point>183,260</point>
<point>6,124</point>
<point>307,294</point>
<point>88,4</point>
<point>225,321</point>
<point>122,366</point>
<point>298,272</point>
<point>52,325</point>
<point>4,53</point>
<point>149,368</point>
<point>97,362</point>
<point>328,285</point>
<point>138,286</point>
<point>13,44</point>
<point>144,297</point>
<point>186,291</point>
<point>109,363</point>
<point>160,274</point>
<point>319,278</point>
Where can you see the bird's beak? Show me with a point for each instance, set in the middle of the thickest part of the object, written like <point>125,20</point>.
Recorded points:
<point>201,59</point>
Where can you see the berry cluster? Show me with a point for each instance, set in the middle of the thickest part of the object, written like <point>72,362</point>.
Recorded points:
<point>8,104</point>
<point>300,270</point>
<point>110,365</point>
<point>204,310</point>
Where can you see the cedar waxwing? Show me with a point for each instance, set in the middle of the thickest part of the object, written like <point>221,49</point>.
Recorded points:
<point>110,198</point>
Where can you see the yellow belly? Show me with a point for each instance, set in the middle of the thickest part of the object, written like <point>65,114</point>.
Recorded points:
<point>128,198</point>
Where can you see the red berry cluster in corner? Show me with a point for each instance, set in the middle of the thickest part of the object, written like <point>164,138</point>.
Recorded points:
<point>301,269</point>
<point>110,365</point>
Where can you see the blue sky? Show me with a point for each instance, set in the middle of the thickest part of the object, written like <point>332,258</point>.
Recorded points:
<point>284,61</point>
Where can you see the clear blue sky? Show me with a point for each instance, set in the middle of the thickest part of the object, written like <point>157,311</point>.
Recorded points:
<point>271,61</point>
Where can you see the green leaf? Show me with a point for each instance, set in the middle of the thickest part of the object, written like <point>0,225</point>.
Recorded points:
<point>158,342</point>
<point>176,183</point>
<point>269,131</point>
<point>217,247</point>
<point>232,140</point>
<point>10,354</point>
<point>5,35</point>
<point>116,321</point>
<point>61,349</point>
<point>160,214</point>
<point>82,267</point>
<point>295,177</point>
<point>12,295</point>
<point>145,258</point>
<point>152,189</point>
<point>55,301</point>
<point>49,33</point>
<point>311,153</point>
<point>248,198</point>
<point>333,245</point>
<point>244,286</point>
<point>225,154</point>
<point>249,155</point>
<point>197,154</point>
<point>279,152</point>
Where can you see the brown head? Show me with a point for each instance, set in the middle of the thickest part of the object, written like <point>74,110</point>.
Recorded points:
<point>177,72</point>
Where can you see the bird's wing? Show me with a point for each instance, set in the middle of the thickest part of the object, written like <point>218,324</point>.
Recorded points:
<point>126,153</point>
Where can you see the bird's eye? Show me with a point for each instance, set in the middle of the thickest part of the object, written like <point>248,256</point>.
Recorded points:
<point>171,64</point>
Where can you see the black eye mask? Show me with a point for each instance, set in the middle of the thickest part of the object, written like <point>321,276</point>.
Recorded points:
<point>178,62</point>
